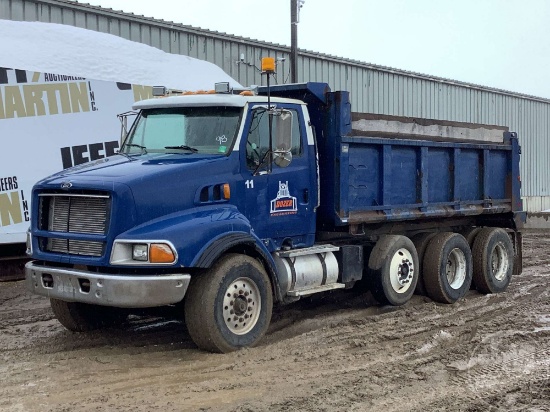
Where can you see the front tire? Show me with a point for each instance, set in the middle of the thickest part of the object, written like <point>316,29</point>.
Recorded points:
<point>82,317</point>
<point>493,260</point>
<point>229,307</point>
<point>393,270</point>
<point>447,267</point>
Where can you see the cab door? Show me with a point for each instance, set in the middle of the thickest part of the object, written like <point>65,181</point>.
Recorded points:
<point>279,202</point>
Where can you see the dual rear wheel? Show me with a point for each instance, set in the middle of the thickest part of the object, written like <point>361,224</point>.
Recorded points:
<point>441,266</point>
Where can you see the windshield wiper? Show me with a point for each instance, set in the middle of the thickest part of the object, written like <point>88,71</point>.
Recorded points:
<point>143,148</point>
<point>182,147</point>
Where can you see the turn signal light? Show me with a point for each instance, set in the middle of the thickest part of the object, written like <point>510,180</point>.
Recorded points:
<point>161,253</point>
<point>226,191</point>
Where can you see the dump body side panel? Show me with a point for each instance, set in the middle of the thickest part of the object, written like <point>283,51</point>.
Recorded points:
<point>392,179</point>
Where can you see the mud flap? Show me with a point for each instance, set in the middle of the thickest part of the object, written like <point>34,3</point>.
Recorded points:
<point>518,257</point>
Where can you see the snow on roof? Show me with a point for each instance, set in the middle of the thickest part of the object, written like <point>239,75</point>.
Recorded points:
<point>68,50</point>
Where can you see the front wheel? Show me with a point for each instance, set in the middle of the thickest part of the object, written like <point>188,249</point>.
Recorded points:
<point>82,317</point>
<point>229,306</point>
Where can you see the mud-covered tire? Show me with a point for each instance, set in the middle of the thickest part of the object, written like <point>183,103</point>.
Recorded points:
<point>470,236</point>
<point>420,242</point>
<point>393,270</point>
<point>493,253</point>
<point>447,267</point>
<point>229,306</point>
<point>81,317</point>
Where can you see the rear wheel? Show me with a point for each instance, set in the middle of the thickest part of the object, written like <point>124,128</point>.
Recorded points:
<point>393,269</point>
<point>447,267</point>
<point>420,242</point>
<point>81,317</point>
<point>493,260</point>
<point>470,235</point>
<point>229,307</point>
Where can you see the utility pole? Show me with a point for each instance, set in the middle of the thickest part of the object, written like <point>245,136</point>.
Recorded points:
<point>295,6</point>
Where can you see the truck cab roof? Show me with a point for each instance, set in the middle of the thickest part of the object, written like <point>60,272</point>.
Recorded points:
<point>198,100</point>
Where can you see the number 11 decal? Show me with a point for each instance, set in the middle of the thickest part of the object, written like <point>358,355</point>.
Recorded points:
<point>249,184</point>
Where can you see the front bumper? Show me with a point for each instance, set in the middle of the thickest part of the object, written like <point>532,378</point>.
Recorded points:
<point>105,289</point>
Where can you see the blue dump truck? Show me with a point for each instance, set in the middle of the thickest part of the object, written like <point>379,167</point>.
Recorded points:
<point>227,203</point>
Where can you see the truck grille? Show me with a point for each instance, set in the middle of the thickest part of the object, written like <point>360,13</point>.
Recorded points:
<point>85,214</point>
<point>75,247</point>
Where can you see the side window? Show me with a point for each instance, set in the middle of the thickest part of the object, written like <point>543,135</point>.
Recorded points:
<point>257,143</point>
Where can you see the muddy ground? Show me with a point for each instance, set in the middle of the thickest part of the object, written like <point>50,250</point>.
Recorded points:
<point>336,353</point>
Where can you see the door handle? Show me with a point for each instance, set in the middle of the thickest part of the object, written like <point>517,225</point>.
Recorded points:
<point>306,196</point>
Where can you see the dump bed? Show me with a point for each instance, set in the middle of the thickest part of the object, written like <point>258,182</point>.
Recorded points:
<point>377,168</point>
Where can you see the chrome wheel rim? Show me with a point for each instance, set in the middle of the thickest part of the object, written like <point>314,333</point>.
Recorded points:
<point>401,270</point>
<point>499,262</point>
<point>241,306</point>
<point>455,269</point>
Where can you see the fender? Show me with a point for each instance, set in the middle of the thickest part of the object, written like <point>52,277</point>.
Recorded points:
<point>210,253</point>
<point>217,247</point>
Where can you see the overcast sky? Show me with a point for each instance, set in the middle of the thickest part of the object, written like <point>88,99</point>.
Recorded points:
<point>497,43</point>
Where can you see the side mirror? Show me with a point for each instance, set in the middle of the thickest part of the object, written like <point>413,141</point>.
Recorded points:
<point>282,124</point>
<point>282,159</point>
<point>123,118</point>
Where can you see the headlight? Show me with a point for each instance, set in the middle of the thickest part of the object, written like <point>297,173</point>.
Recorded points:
<point>157,252</point>
<point>140,252</point>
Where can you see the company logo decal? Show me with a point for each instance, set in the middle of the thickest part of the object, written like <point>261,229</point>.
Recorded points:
<point>283,204</point>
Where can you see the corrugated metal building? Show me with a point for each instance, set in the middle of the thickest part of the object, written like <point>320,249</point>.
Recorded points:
<point>374,89</point>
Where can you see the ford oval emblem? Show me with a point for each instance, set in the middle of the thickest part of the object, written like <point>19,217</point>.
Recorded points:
<point>66,185</point>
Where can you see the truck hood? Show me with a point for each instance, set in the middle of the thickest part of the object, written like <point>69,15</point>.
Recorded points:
<point>120,168</point>
<point>160,183</point>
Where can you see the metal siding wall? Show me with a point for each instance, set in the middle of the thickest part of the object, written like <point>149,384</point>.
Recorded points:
<point>374,90</point>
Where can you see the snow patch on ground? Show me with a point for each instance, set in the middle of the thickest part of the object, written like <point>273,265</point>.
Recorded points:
<point>68,50</point>
<point>439,337</point>
<point>544,322</point>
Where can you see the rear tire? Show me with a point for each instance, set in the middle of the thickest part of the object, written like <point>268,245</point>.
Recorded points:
<point>493,260</point>
<point>393,270</point>
<point>81,317</point>
<point>447,267</point>
<point>229,306</point>
<point>420,242</point>
<point>470,236</point>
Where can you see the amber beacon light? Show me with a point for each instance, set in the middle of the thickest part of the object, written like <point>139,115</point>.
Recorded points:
<point>268,65</point>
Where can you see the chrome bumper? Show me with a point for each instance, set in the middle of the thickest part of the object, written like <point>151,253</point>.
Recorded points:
<point>105,289</point>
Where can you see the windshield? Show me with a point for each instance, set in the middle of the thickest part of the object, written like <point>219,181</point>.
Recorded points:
<point>208,130</point>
